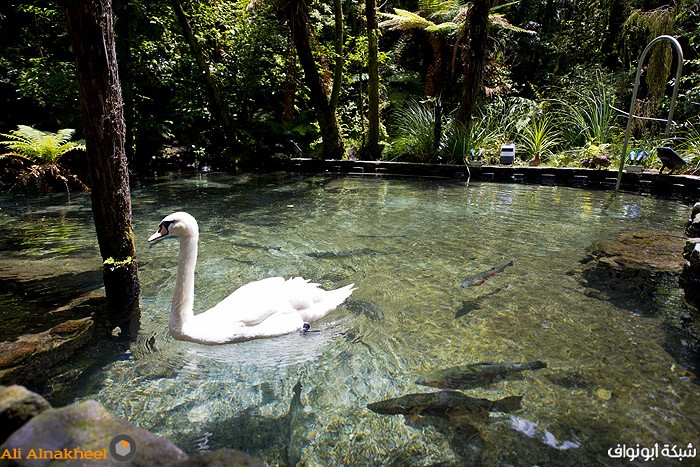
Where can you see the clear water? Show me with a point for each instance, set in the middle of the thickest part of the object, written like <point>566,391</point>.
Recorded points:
<point>610,378</point>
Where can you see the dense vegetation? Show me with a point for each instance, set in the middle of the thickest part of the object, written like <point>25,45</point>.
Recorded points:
<point>225,82</point>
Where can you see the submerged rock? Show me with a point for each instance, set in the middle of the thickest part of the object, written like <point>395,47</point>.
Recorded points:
<point>30,355</point>
<point>18,405</point>
<point>33,433</point>
<point>222,458</point>
<point>629,269</point>
<point>690,277</point>
<point>87,426</point>
<point>692,227</point>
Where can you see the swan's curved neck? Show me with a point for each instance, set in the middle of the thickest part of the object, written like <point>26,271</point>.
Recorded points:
<point>182,308</point>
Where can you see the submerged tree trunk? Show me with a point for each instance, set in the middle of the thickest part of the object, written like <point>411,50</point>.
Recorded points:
<point>217,97</point>
<point>475,57</point>
<point>373,149</point>
<point>90,25</point>
<point>296,14</point>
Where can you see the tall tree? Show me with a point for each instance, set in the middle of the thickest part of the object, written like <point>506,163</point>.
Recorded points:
<point>296,14</point>
<point>373,150</point>
<point>217,96</point>
<point>90,24</point>
<point>339,59</point>
<point>474,57</point>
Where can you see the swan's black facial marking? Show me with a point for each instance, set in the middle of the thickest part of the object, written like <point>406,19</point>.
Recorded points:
<point>162,232</point>
<point>165,225</point>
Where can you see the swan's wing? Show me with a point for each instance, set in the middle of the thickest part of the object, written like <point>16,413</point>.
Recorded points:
<point>253,303</point>
<point>312,302</point>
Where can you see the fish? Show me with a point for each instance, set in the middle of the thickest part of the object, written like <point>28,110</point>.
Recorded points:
<point>340,254</point>
<point>255,246</point>
<point>477,375</point>
<point>370,309</point>
<point>446,404</point>
<point>480,278</point>
<point>296,426</point>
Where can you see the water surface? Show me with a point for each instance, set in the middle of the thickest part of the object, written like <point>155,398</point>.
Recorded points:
<point>613,375</point>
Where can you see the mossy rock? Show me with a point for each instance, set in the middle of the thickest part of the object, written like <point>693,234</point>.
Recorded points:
<point>18,405</point>
<point>31,355</point>
<point>87,426</point>
<point>630,269</point>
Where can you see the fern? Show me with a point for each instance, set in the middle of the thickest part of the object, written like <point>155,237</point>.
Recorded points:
<point>40,151</point>
<point>41,147</point>
<point>404,20</point>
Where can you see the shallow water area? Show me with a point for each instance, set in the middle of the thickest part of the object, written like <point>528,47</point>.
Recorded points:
<point>406,245</point>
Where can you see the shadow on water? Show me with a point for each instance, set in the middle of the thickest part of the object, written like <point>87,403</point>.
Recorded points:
<point>36,305</point>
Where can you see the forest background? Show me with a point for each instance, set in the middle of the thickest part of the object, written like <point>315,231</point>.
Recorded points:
<point>232,83</point>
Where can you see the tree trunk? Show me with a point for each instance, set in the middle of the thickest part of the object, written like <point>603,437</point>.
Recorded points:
<point>90,25</point>
<point>217,97</point>
<point>475,57</point>
<point>296,14</point>
<point>340,59</point>
<point>373,149</point>
<point>617,13</point>
<point>122,28</point>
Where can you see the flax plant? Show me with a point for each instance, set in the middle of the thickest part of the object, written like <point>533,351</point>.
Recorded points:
<point>588,117</point>
<point>539,137</point>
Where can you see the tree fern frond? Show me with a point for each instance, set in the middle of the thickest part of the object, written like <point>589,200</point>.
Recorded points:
<point>444,28</point>
<point>505,5</point>
<point>500,21</point>
<point>404,20</point>
<point>64,135</point>
<point>42,147</point>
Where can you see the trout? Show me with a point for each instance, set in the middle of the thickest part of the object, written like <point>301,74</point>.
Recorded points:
<point>477,375</point>
<point>480,278</point>
<point>446,404</point>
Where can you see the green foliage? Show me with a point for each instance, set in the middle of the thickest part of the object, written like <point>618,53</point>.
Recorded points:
<point>459,141</point>
<point>539,137</point>
<point>414,128</point>
<point>41,147</point>
<point>588,116</point>
<point>690,148</point>
<point>510,116</point>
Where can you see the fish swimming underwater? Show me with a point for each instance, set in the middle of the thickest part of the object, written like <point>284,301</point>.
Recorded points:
<point>341,254</point>
<point>480,278</point>
<point>446,404</point>
<point>369,309</point>
<point>477,375</point>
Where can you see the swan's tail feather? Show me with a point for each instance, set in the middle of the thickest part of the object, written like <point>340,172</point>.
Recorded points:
<point>325,301</point>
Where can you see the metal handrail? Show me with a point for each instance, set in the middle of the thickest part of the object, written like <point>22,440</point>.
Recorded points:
<point>679,68</point>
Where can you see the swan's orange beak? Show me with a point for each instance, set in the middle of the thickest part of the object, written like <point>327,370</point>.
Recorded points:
<point>160,233</point>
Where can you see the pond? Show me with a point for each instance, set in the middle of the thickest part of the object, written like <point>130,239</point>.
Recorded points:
<point>612,376</point>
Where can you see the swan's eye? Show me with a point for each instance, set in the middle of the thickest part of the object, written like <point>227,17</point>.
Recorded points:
<point>166,225</point>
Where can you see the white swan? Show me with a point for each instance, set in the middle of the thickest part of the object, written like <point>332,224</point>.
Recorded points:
<point>267,308</point>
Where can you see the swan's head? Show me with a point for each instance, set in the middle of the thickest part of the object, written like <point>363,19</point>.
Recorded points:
<point>178,224</point>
